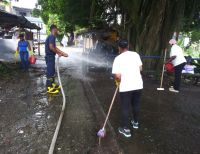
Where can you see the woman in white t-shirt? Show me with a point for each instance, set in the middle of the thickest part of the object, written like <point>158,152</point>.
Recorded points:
<point>178,60</point>
<point>127,70</point>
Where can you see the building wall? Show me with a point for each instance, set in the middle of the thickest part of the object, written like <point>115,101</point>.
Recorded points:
<point>22,11</point>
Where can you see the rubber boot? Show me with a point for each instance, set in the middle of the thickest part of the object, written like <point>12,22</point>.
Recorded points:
<point>57,87</point>
<point>51,90</point>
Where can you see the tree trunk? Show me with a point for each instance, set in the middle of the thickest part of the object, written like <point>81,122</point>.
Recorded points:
<point>92,10</point>
<point>154,23</point>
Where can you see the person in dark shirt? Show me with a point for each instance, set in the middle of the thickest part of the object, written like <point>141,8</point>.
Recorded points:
<point>50,51</point>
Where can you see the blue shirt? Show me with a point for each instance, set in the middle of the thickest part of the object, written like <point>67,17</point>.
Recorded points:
<point>51,39</point>
<point>23,45</point>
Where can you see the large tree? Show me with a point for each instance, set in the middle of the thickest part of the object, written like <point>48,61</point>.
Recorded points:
<point>148,24</point>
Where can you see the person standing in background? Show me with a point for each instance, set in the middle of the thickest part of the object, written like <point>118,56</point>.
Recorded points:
<point>178,60</point>
<point>127,69</point>
<point>23,49</point>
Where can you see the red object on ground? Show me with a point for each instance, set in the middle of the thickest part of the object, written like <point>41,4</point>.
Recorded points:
<point>169,67</point>
<point>32,59</point>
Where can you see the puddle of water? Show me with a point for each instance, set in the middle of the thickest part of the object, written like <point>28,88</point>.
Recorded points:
<point>44,101</point>
<point>39,114</point>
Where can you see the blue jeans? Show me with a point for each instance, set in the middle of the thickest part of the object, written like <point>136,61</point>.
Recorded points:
<point>50,73</point>
<point>24,56</point>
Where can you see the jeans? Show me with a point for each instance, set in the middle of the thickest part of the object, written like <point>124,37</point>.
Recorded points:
<point>50,72</point>
<point>24,56</point>
<point>177,73</point>
<point>130,99</point>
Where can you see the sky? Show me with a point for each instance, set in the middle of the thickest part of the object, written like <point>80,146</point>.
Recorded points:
<point>25,3</point>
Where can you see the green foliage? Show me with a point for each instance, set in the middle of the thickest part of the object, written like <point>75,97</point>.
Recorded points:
<point>193,50</point>
<point>147,24</point>
<point>54,19</point>
<point>81,13</point>
<point>195,35</point>
<point>68,13</point>
<point>36,12</point>
<point>4,2</point>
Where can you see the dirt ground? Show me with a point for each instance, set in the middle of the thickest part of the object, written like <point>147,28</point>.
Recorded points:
<point>169,123</point>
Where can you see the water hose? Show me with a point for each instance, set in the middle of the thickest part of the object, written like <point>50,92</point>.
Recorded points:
<point>53,142</point>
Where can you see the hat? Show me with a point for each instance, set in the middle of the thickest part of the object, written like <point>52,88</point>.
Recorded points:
<point>123,43</point>
<point>172,42</point>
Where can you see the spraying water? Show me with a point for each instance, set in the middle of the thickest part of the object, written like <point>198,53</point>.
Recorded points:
<point>79,62</point>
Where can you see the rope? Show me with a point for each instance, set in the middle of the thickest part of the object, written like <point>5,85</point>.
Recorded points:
<point>53,142</point>
<point>160,57</point>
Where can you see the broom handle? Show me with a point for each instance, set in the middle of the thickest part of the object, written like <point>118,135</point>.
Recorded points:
<point>161,81</point>
<point>110,107</point>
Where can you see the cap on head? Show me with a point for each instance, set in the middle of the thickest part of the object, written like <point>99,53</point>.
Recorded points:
<point>123,43</point>
<point>172,42</point>
<point>53,27</point>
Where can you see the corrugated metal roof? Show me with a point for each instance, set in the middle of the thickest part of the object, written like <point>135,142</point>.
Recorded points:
<point>34,19</point>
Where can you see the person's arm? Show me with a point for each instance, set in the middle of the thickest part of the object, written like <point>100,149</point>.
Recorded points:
<point>29,46</point>
<point>140,63</point>
<point>116,72</point>
<point>54,49</point>
<point>17,49</point>
<point>117,77</point>
<point>57,51</point>
<point>171,59</point>
<point>63,53</point>
<point>141,69</point>
<point>172,55</point>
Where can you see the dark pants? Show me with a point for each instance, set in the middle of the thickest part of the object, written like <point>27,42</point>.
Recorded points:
<point>24,56</point>
<point>50,73</point>
<point>177,73</point>
<point>128,99</point>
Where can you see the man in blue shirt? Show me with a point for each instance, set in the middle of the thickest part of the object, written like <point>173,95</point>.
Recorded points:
<point>51,50</point>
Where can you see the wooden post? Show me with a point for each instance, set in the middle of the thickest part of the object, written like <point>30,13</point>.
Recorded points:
<point>39,44</point>
<point>37,41</point>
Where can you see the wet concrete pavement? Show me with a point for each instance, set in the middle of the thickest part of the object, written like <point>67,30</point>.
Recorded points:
<point>169,122</point>
<point>28,117</point>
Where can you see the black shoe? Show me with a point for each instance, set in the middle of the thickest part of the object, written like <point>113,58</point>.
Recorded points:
<point>135,124</point>
<point>126,132</point>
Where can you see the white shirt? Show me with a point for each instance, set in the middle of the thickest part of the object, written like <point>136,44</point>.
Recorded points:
<point>128,65</point>
<point>178,52</point>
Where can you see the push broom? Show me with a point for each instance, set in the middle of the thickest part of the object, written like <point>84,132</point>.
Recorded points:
<point>161,80</point>
<point>102,132</point>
